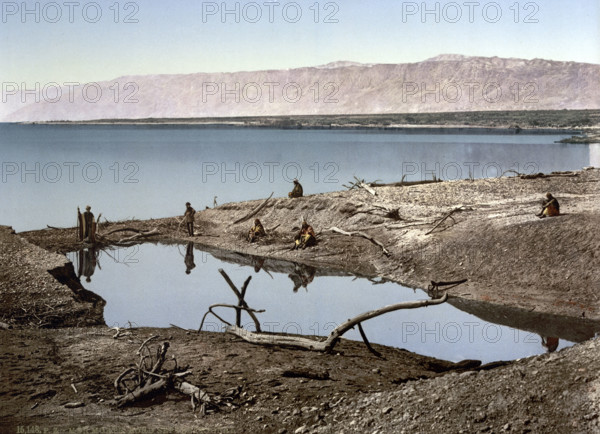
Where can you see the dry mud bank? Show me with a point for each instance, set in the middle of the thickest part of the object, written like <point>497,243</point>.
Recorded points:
<point>511,258</point>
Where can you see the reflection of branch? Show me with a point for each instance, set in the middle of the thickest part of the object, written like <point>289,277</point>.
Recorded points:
<point>232,306</point>
<point>335,335</point>
<point>241,301</point>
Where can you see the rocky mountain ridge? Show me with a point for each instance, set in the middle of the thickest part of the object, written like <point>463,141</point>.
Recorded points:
<point>446,83</point>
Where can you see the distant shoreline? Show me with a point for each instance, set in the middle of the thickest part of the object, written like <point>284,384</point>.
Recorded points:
<point>570,122</point>
<point>407,129</point>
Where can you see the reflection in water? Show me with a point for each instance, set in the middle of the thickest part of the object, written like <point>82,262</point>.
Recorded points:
<point>134,292</point>
<point>302,276</point>
<point>550,343</point>
<point>189,258</point>
<point>258,262</point>
<point>87,259</point>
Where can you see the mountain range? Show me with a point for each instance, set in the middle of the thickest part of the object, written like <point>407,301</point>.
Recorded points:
<point>446,83</point>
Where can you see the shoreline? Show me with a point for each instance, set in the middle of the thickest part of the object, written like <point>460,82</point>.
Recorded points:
<point>523,121</point>
<point>405,129</point>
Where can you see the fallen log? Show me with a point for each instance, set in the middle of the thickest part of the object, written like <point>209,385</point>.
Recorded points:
<point>114,231</point>
<point>328,344</point>
<point>361,234</point>
<point>551,175</point>
<point>140,236</point>
<point>142,393</point>
<point>254,211</point>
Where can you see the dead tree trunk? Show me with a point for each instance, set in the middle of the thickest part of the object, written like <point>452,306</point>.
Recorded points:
<point>328,344</point>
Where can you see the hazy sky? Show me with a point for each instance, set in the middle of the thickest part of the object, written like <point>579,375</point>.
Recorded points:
<point>92,41</point>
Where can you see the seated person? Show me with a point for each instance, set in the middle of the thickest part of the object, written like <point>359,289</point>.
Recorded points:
<point>297,190</point>
<point>305,238</point>
<point>550,207</point>
<point>256,231</point>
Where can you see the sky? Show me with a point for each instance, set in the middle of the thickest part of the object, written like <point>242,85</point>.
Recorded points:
<point>42,42</point>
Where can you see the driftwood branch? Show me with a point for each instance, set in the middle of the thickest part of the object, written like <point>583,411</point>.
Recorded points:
<point>406,183</point>
<point>361,234</point>
<point>149,382</point>
<point>254,211</point>
<point>360,183</point>
<point>551,175</point>
<point>140,236</point>
<point>241,300</point>
<point>443,219</point>
<point>114,231</point>
<point>335,335</point>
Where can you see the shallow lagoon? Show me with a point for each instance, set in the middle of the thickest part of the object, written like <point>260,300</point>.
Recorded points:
<point>149,285</point>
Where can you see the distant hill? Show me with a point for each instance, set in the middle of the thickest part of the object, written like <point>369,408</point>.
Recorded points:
<point>446,83</point>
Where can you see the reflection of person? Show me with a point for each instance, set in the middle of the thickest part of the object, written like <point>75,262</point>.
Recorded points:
<point>256,231</point>
<point>258,263</point>
<point>550,207</point>
<point>189,258</point>
<point>305,238</point>
<point>302,276</point>
<point>87,263</point>
<point>297,190</point>
<point>189,218</point>
<point>550,343</point>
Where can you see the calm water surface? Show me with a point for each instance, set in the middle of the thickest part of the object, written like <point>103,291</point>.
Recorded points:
<point>151,171</point>
<point>148,285</point>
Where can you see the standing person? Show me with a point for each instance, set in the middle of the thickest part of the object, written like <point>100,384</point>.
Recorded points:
<point>189,218</point>
<point>297,190</point>
<point>88,224</point>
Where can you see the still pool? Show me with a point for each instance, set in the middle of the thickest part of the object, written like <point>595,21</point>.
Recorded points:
<point>156,285</point>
